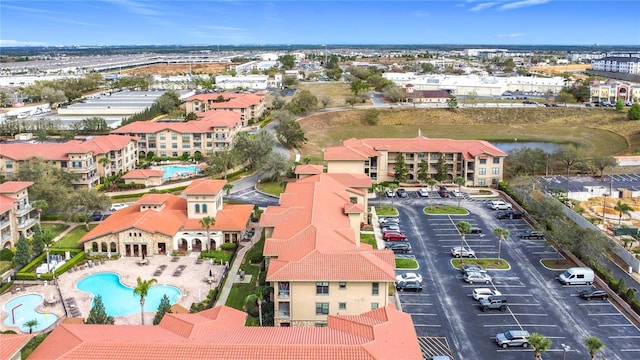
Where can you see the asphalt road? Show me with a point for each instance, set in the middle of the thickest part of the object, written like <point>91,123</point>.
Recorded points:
<point>537,301</point>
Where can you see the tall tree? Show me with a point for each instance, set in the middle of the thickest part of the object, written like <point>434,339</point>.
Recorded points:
<point>400,168</point>
<point>393,187</point>
<point>568,156</point>
<point>207,222</point>
<point>622,209</point>
<point>142,290</point>
<point>257,299</point>
<point>463,228</point>
<point>603,162</point>
<point>84,202</point>
<point>227,188</point>
<point>163,308</point>
<point>501,234</point>
<point>255,148</point>
<point>634,112</point>
<point>31,324</point>
<point>441,175</point>
<point>594,346</point>
<point>221,161</point>
<point>423,171</point>
<point>288,61</point>
<point>431,184</point>
<point>379,190</point>
<point>540,344</point>
<point>276,166</point>
<point>23,253</point>
<point>288,129</point>
<point>460,181</point>
<point>98,314</point>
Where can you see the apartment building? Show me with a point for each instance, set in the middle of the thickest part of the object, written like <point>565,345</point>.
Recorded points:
<point>158,224</point>
<point>249,106</point>
<point>17,215</point>
<point>612,91</point>
<point>82,157</point>
<point>621,64</point>
<point>213,131</point>
<point>478,162</point>
<point>316,264</point>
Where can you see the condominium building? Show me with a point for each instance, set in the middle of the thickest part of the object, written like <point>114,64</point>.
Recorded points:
<point>159,224</point>
<point>316,264</point>
<point>214,131</point>
<point>478,162</point>
<point>249,106</point>
<point>621,64</point>
<point>84,158</point>
<point>17,215</point>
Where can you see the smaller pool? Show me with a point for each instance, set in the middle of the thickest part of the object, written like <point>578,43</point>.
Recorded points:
<point>180,171</point>
<point>23,308</point>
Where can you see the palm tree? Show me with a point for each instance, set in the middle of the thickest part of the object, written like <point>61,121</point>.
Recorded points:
<point>622,209</point>
<point>594,345</point>
<point>227,187</point>
<point>464,228</point>
<point>540,344</point>
<point>142,290</point>
<point>460,181</point>
<point>431,184</point>
<point>378,189</point>
<point>104,161</point>
<point>257,298</point>
<point>40,205</point>
<point>393,187</point>
<point>502,234</point>
<point>207,222</point>
<point>30,324</point>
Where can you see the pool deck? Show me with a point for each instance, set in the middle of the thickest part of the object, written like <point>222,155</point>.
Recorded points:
<point>192,282</point>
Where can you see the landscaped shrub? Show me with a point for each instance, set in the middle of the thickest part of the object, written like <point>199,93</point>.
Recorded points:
<point>6,255</point>
<point>229,246</point>
<point>219,257</point>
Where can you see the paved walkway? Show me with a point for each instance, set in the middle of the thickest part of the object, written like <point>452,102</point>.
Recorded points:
<point>233,275</point>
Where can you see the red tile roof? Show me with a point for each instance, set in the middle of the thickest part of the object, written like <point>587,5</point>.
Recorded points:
<point>11,187</point>
<point>142,174</point>
<point>209,121</point>
<point>12,344</point>
<point>219,333</point>
<point>309,169</point>
<point>6,203</point>
<point>232,100</point>
<point>362,149</point>
<point>204,187</point>
<point>60,151</point>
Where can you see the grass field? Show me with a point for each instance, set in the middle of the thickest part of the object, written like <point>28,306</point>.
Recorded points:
<point>604,132</point>
<point>71,239</point>
<point>369,239</point>
<point>338,92</point>
<point>55,229</point>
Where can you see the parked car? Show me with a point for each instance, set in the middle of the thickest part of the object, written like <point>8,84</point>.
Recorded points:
<point>588,105</point>
<point>389,220</point>
<point>509,214</point>
<point>118,206</point>
<point>443,192</point>
<point>483,293</point>
<point>409,286</point>
<point>394,236</point>
<point>475,230</point>
<point>513,338</point>
<point>494,302</point>
<point>423,192</point>
<point>455,193</point>
<point>462,252</point>
<point>499,205</point>
<point>472,267</point>
<point>477,277</point>
<point>390,227</point>
<point>398,247</point>
<point>532,234</point>
<point>402,193</point>
<point>100,215</point>
<point>410,276</point>
<point>594,293</point>
<point>389,193</point>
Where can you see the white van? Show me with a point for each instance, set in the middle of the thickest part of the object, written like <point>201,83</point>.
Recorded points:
<point>577,275</point>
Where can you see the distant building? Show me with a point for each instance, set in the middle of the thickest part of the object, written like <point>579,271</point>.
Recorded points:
<point>250,106</point>
<point>17,215</point>
<point>478,162</point>
<point>249,82</point>
<point>620,64</point>
<point>426,96</point>
<point>613,91</point>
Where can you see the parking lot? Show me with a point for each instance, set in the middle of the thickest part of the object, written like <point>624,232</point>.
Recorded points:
<point>537,302</point>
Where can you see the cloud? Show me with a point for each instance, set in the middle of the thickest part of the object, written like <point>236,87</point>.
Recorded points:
<point>523,3</point>
<point>137,7</point>
<point>17,43</point>
<point>420,13</point>
<point>513,35</point>
<point>483,6</point>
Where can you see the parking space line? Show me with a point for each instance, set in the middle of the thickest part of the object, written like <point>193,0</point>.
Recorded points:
<point>594,303</point>
<point>624,337</point>
<point>629,350</point>
<point>514,314</point>
<point>523,325</point>
<point>425,314</point>
<point>426,325</point>
<point>616,325</point>
<point>605,314</point>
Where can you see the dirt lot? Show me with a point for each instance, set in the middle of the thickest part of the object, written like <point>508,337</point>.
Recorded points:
<point>559,69</point>
<point>179,69</point>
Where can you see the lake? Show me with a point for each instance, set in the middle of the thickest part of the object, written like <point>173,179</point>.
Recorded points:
<point>507,146</point>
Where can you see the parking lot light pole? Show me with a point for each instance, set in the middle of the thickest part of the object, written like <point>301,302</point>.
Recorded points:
<point>604,208</point>
<point>565,348</point>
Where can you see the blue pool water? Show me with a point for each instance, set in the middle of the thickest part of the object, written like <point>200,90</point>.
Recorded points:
<point>119,299</point>
<point>24,310</point>
<point>176,171</point>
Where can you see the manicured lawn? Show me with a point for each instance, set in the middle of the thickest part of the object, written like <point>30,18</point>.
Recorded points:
<point>369,239</point>
<point>487,263</point>
<point>445,210</point>
<point>5,266</point>
<point>386,211</point>
<point>272,188</point>
<point>71,239</point>
<point>406,264</point>
<point>55,229</point>
<point>240,291</point>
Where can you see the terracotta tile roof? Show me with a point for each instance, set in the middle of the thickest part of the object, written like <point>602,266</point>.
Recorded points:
<point>12,344</point>
<point>11,187</point>
<point>233,217</point>
<point>6,203</point>
<point>354,149</point>
<point>61,151</point>
<point>207,123</point>
<point>309,169</point>
<point>232,100</point>
<point>142,174</point>
<point>204,187</point>
<point>219,333</point>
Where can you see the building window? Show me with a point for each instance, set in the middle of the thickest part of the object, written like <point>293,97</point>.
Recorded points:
<point>495,171</point>
<point>163,146</point>
<point>322,308</point>
<point>63,164</point>
<point>483,161</point>
<point>174,136</point>
<point>9,164</point>
<point>186,137</point>
<point>482,171</point>
<point>496,160</point>
<point>342,306</point>
<point>197,208</point>
<point>163,137</point>
<point>174,145</point>
<point>343,285</point>
<point>204,208</point>
<point>322,288</point>
<point>374,306</point>
<point>375,288</point>
<point>320,324</point>
<point>482,182</point>
<point>353,200</point>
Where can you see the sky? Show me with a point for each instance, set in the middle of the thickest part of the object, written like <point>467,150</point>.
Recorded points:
<point>238,22</point>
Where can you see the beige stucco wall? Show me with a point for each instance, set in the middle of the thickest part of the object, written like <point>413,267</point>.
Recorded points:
<point>345,166</point>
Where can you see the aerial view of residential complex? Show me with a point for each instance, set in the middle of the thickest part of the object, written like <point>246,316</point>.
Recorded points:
<point>319,180</point>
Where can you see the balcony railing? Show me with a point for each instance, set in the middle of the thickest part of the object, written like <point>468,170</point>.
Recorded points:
<point>4,223</point>
<point>284,314</point>
<point>27,224</point>
<point>283,293</point>
<point>6,236</point>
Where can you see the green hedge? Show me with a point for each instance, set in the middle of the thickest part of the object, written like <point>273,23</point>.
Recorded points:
<point>28,272</point>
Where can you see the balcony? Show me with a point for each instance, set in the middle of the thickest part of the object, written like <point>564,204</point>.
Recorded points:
<point>6,236</point>
<point>283,290</point>
<point>4,222</point>
<point>27,223</point>
<point>23,209</point>
<point>284,311</point>
<point>88,180</point>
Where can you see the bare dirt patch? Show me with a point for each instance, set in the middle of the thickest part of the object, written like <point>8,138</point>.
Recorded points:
<point>179,69</point>
<point>559,69</point>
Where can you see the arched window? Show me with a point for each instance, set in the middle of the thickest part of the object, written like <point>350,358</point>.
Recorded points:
<point>197,208</point>
<point>204,208</point>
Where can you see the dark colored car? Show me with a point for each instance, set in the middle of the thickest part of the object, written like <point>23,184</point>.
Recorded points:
<point>532,234</point>
<point>594,293</point>
<point>99,216</point>
<point>475,230</point>
<point>509,214</point>
<point>398,247</point>
<point>443,192</point>
<point>394,236</point>
<point>409,286</point>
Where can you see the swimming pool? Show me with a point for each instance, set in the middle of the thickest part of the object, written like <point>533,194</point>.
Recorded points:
<point>119,299</point>
<point>177,171</point>
<point>23,308</point>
